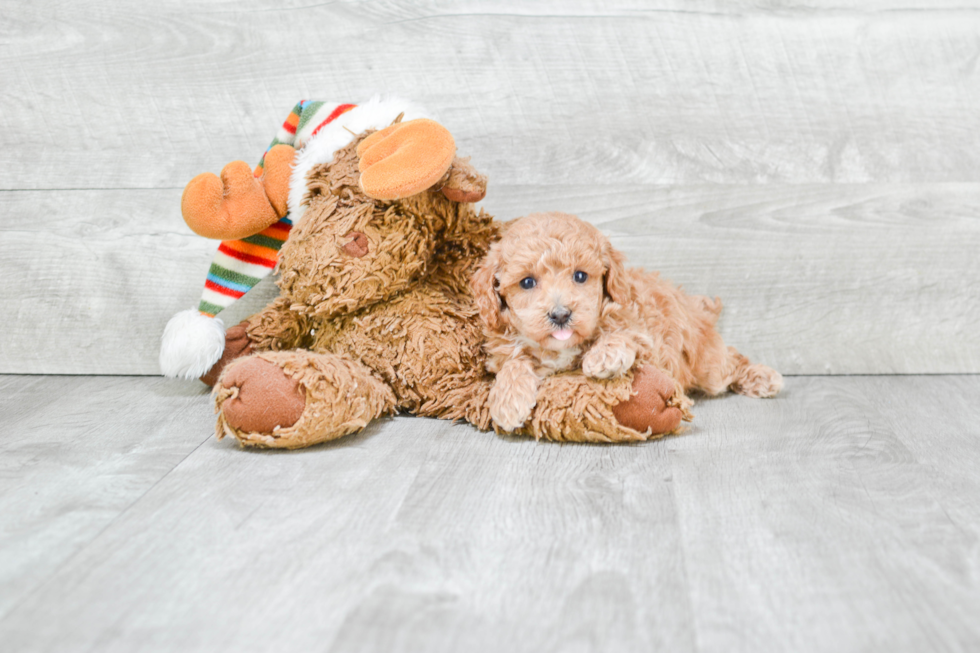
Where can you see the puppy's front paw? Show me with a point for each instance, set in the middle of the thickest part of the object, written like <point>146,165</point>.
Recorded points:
<point>511,407</point>
<point>607,361</point>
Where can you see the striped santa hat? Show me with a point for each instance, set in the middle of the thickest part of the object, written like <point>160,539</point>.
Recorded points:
<point>194,340</point>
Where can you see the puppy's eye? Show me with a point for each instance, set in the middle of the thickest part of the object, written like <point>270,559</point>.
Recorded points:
<point>580,277</point>
<point>528,282</point>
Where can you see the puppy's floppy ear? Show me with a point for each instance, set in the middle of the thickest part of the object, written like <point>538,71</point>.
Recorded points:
<point>615,282</point>
<point>484,285</point>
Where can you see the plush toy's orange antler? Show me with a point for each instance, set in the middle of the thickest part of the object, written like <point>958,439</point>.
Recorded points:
<point>405,158</point>
<point>239,204</point>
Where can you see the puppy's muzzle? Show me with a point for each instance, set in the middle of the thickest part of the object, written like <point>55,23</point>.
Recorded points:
<point>560,317</point>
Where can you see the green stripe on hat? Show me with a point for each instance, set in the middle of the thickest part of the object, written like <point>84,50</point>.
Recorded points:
<point>308,112</point>
<point>209,308</point>
<point>264,241</point>
<point>230,275</point>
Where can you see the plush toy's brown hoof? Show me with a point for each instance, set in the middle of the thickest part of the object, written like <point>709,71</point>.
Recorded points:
<point>232,207</point>
<point>266,398</point>
<point>237,345</point>
<point>648,409</point>
<point>405,159</point>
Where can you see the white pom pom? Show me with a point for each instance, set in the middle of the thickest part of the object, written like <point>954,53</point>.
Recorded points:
<point>192,343</point>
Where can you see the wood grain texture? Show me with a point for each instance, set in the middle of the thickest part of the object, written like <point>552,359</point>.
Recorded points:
<point>842,515</point>
<point>138,95</point>
<point>75,454</point>
<point>817,279</point>
<point>845,516</point>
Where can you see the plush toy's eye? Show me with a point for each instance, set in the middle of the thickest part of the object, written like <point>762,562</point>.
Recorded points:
<point>528,282</point>
<point>580,277</point>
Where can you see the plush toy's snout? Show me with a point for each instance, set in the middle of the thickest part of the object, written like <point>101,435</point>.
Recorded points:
<point>357,244</point>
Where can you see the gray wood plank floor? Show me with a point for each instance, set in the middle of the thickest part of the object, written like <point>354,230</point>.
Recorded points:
<point>842,515</point>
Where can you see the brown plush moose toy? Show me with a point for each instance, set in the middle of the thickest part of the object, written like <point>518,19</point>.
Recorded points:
<point>375,313</point>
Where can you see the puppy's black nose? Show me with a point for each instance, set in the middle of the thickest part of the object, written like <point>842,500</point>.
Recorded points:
<point>560,316</point>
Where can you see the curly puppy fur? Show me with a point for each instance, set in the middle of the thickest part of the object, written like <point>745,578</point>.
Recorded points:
<point>555,296</point>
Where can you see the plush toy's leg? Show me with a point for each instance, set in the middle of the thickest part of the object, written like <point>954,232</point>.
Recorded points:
<point>256,396</point>
<point>293,399</point>
<point>658,403</point>
<point>641,406</point>
<point>644,405</point>
<point>275,328</point>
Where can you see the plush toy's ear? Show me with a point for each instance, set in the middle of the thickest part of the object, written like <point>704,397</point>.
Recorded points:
<point>465,184</point>
<point>405,159</point>
<point>615,281</point>
<point>484,285</point>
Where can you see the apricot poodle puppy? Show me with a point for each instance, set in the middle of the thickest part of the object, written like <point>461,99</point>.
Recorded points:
<point>555,296</point>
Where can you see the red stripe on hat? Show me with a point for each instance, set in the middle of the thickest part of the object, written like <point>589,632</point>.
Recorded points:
<point>277,231</point>
<point>210,285</point>
<point>339,111</point>
<point>248,258</point>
